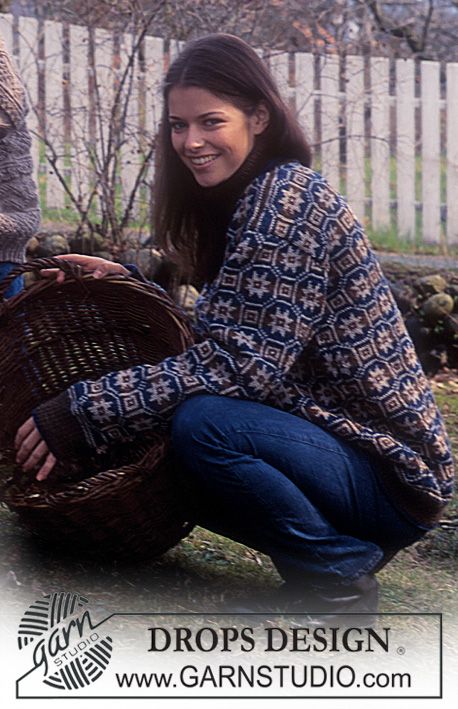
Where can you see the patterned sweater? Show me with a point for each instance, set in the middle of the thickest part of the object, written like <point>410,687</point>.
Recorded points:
<point>19,209</point>
<point>299,317</point>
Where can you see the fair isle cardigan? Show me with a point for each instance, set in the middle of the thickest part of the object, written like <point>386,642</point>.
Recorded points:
<point>301,318</point>
<point>19,207</point>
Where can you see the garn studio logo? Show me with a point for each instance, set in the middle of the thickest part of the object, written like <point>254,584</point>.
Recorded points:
<point>66,645</point>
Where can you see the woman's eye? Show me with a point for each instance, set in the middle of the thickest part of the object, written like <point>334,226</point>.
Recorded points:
<point>177,126</point>
<point>212,121</point>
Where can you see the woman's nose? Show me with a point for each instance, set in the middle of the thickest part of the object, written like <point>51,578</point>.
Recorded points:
<point>193,139</point>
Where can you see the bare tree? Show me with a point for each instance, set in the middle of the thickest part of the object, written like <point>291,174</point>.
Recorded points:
<point>93,123</point>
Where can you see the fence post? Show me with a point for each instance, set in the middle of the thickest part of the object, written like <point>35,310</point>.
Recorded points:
<point>28,67</point>
<point>330,115</point>
<point>430,151</point>
<point>405,147</point>
<point>79,102</point>
<point>354,109</point>
<point>6,32</point>
<point>154,68</point>
<point>54,114</point>
<point>279,67</point>
<point>380,143</point>
<point>131,130</point>
<point>452,154</point>
<point>304,91</point>
<point>103,94</point>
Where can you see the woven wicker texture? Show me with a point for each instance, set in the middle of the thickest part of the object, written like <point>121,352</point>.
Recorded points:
<point>52,336</point>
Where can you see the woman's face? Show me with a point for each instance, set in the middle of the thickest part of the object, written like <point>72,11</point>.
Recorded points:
<point>211,135</point>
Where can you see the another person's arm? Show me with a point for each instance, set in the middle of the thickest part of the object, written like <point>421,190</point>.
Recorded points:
<point>5,124</point>
<point>13,107</point>
<point>19,206</point>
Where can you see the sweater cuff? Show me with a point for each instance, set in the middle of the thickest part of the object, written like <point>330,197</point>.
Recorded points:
<point>60,429</point>
<point>135,272</point>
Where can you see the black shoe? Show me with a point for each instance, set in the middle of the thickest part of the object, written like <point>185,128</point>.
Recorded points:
<point>345,604</point>
<point>352,604</point>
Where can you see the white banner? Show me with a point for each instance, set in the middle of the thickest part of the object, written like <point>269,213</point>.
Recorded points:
<point>61,648</point>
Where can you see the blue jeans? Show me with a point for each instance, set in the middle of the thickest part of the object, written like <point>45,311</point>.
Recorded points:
<point>284,486</point>
<point>17,285</point>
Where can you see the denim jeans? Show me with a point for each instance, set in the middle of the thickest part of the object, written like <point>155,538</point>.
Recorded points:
<point>284,486</point>
<point>17,285</point>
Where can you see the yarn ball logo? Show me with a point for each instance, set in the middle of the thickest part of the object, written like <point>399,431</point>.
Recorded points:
<point>66,644</point>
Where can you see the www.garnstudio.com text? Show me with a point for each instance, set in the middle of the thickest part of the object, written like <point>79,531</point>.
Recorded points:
<point>262,676</point>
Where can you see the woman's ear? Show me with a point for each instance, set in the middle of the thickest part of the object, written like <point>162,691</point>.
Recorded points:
<point>261,118</point>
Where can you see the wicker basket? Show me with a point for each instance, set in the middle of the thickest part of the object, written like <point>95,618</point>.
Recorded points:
<point>52,336</point>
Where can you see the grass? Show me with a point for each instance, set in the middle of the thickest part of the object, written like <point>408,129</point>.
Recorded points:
<point>389,240</point>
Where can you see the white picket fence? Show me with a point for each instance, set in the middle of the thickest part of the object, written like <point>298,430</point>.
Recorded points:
<point>386,135</point>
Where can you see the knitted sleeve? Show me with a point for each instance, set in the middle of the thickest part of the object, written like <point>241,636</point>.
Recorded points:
<point>253,322</point>
<point>13,106</point>
<point>5,123</point>
<point>19,204</point>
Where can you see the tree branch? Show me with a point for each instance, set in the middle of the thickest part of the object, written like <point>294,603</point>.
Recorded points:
<point>405,31</point>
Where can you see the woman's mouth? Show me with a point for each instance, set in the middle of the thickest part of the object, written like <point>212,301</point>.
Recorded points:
<point>202,160</point>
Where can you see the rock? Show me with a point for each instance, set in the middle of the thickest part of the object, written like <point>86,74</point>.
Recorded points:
<point>431,284</point>
<point>140,240</point>
<point>87,243</point>
<point>103,254</point>
<point>147,260</point>
<point>451,325</point>
<point>167,275</point>
<point>32,246</point>
<point>186,297</point>
<point>437,306</point>
<point>404,297</point>
<point>30,278</point>
<point>425,342</point>
<point>52,245</point>
<point>453,291</point>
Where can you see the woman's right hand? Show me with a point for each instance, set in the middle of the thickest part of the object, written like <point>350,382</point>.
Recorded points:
<point>98,267</point>
<point>33,454</point>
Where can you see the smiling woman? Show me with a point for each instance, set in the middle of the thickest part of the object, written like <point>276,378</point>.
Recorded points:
<point>301,419</point>
<point>211,135</point>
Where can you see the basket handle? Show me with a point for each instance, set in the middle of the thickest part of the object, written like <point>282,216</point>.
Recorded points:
<point>71,269</point>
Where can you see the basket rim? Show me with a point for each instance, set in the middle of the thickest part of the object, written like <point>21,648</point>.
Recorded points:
<point>126,476</point>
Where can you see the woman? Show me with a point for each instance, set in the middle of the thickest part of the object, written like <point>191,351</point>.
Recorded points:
<point>301,417</point>
<point>19,211</point>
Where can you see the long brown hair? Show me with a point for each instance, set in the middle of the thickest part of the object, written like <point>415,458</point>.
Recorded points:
<point>228,67</point>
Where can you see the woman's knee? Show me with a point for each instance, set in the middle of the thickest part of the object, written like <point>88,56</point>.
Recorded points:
<point>193,421</point>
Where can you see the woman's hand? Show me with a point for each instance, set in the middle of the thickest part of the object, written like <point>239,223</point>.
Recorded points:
<point>99,267</point>
<point>32,450</point>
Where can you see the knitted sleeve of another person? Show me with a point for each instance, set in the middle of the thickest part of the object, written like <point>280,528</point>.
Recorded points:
<point>253,323</point>
<point>19,208</point>
<point>5,123</point>
<point>12,94</point>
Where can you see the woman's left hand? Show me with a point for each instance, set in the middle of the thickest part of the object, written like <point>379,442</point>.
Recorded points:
<point>98,267</point>
<point>32,450</point>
